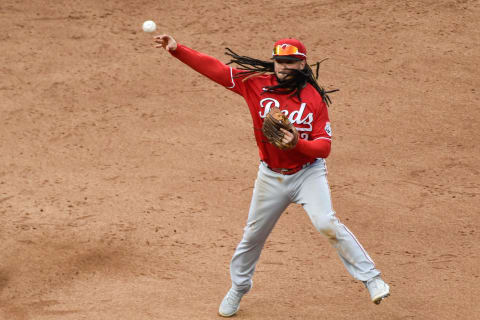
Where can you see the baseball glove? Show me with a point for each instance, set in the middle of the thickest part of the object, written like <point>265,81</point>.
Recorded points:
<point>273,122</point>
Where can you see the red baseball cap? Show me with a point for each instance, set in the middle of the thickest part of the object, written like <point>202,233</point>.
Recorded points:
<point>289,49</point>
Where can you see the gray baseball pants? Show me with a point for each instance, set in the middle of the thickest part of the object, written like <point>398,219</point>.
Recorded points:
<point>272,194</point>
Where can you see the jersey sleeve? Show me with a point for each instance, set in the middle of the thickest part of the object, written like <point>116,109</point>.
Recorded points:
<point>319,148</point>
<point>321,124</point>
<point>210,67</point>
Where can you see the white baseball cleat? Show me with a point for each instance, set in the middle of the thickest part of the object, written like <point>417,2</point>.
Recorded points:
<point>231,303</point>
<point>378,289</point>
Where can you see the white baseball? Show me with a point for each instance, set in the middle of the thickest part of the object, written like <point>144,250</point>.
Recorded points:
<point>149,26</point>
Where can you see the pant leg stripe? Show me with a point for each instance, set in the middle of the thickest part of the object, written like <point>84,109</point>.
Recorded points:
<point>358,243</point>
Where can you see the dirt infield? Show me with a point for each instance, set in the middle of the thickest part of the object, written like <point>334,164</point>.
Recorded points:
<point>125,177</point>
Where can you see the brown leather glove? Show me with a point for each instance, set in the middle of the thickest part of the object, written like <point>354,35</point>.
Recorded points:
<point>273,122</point>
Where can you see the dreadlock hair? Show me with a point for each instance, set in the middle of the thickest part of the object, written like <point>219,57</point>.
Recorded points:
<point>293,85</point>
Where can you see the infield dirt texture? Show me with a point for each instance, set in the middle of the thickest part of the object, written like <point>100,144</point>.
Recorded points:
<point>125,177</point>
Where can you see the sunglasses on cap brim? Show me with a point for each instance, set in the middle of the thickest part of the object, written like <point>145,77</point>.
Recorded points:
<point>283,50</point>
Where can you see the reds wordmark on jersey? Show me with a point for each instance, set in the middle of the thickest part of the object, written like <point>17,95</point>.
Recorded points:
<point>295,117</point>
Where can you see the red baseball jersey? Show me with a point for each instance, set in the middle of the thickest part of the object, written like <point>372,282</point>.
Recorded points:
<point>309,116</point>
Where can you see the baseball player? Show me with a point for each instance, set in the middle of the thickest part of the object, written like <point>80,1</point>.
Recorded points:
<point>293,135</point>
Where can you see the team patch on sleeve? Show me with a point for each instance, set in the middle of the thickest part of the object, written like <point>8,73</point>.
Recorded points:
<point>328,129</point>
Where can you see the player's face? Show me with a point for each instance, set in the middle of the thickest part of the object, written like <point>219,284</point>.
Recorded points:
<point>282,66</point>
